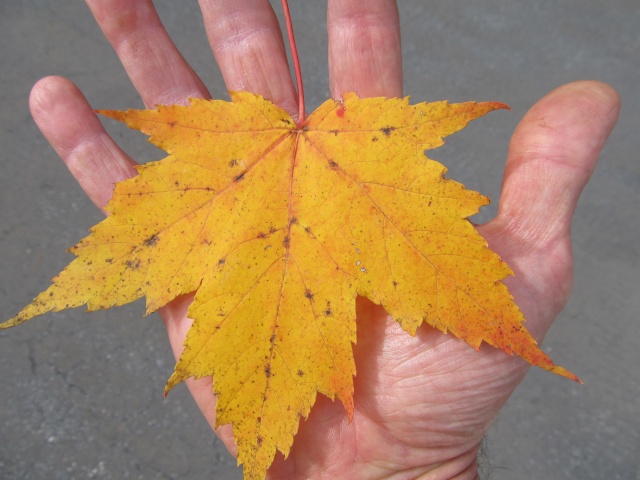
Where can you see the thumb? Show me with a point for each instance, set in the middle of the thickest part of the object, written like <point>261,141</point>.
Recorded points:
<point>552,155</point>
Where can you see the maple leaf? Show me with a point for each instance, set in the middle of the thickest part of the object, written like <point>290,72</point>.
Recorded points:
<point>277,228</point>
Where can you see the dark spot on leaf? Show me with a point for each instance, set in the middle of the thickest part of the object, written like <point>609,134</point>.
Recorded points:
<point>387,130</point>
<point>132,264</point>
<point>309,294</point>
<point>300,373</point>
<point>267,371</point>
<point>395,284</point>
<point>333,165</point>
<point>293,221</point>
<point>151,241</point>
<point>328,311</point>
<point>272,229</point>
<point>233,163</point>
<point>221,261</point>
<point>108,260</point>
<point>335,132</point>
<point>259,440</point>
<point>374,139</point>
<point>285,242</point>
<point>239,177</point>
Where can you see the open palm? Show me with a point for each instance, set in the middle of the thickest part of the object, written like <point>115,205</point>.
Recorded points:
<point>422,403</point>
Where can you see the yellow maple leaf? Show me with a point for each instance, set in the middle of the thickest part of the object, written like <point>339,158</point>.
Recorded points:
<point>277,228</point>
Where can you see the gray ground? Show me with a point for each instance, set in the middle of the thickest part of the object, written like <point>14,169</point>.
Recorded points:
<point>81,394</point>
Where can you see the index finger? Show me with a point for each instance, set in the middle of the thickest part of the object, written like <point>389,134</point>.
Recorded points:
<point>365,53</point>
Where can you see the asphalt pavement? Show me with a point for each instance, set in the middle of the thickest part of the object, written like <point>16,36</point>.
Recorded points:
<point>81,394</point>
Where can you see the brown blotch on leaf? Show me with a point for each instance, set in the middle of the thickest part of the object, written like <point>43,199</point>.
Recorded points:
<point>309,294</point>
<point>221,261</point>
<point>151,241</point>
<point>267,371</point>
<point>300,373</point>
<point>233,163</point>
<point>132,264</point>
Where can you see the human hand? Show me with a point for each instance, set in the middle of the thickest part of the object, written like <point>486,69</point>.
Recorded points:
<point>422,403</point>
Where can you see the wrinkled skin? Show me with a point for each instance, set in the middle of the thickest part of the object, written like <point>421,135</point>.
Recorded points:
<point>423,403</point>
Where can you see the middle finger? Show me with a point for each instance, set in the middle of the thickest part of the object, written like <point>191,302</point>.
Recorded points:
<point>247,42</point>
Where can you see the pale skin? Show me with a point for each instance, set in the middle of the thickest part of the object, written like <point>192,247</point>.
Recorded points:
<point>423,403</point>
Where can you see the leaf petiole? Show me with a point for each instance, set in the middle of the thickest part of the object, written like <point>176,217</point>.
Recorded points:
<point>296,62</point>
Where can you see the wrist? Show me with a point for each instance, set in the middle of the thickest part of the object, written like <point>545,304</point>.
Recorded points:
<point>463,467</point>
